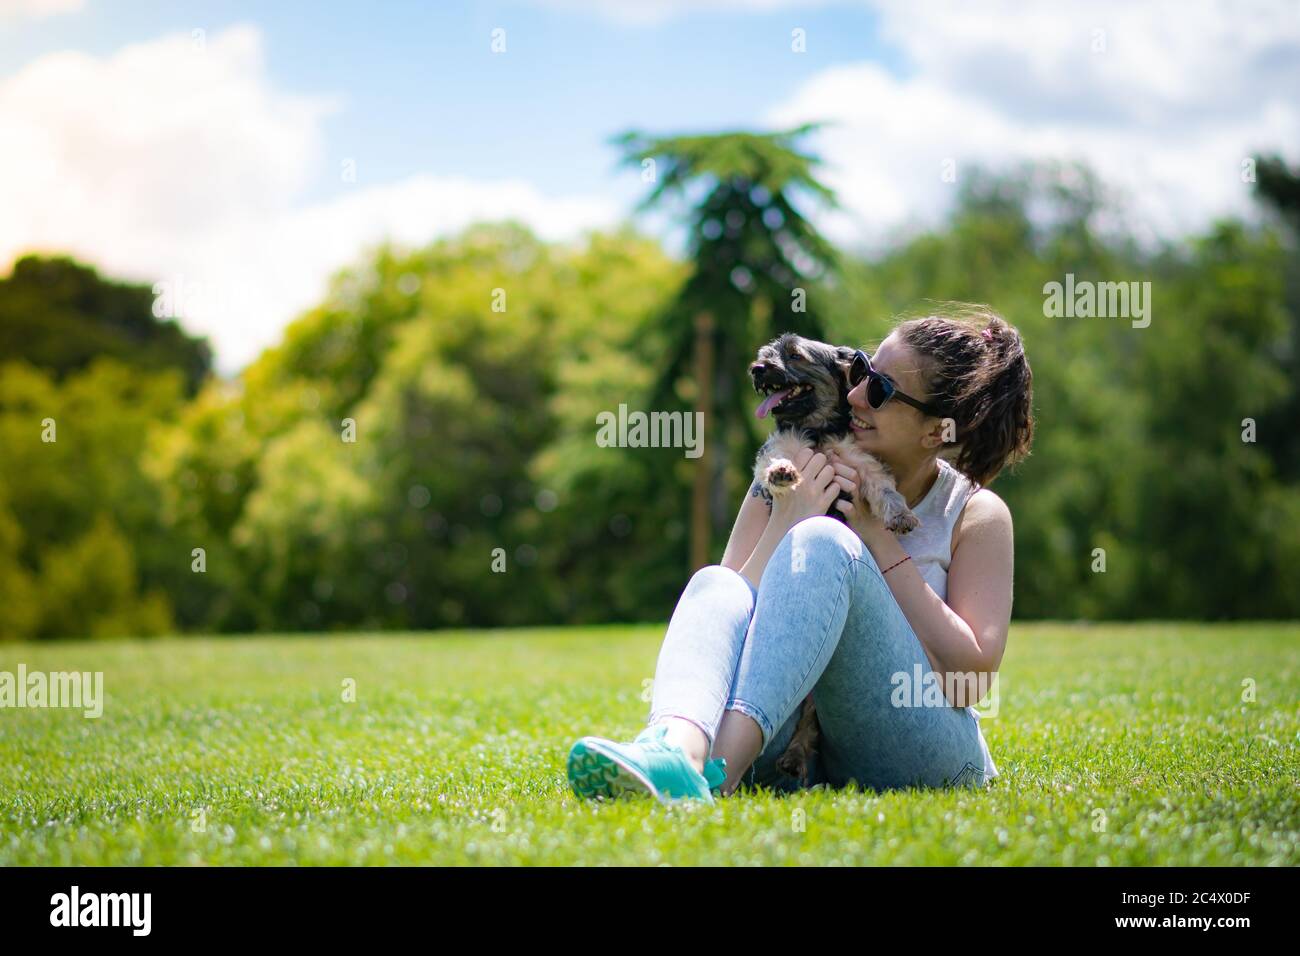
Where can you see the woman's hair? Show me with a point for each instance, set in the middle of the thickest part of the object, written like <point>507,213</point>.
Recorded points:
<point>976,373</point>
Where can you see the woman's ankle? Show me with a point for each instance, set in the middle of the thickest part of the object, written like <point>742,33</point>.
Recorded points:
<point>690,738</point>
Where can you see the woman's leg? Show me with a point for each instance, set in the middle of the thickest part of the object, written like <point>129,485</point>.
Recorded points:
<point>825,619</point>
<point>697,661</point>
<point>740,734</point>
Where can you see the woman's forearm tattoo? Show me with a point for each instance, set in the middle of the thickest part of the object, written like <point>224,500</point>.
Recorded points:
<point>758,491</point>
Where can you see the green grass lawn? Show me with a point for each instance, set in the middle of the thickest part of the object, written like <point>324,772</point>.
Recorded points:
<point>1117,744</point>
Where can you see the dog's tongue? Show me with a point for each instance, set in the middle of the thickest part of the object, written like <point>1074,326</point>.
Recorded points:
<point>770,403</point>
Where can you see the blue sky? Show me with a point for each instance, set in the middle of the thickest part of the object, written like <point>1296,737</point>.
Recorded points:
<point>245,164</point>
<point>421,90</point>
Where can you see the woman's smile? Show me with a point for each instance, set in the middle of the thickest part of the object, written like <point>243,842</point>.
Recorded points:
<point>858,425</point>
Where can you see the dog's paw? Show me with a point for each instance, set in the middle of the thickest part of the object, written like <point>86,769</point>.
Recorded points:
<point>781,476</point>
<point>895,515</point>
<point>903,522</point>
<point>794,762</point>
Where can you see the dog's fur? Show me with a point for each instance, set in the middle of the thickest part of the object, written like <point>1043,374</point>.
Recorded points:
<point>815,414</point>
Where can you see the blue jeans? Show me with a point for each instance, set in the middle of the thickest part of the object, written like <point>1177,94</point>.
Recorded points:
<point>822,620</point>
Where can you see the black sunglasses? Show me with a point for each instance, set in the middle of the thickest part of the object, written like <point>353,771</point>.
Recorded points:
<point>879,388</point>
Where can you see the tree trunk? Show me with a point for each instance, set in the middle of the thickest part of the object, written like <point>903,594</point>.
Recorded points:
<point>704,362</point>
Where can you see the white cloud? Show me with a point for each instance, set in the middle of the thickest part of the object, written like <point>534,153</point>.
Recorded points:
<point>37,9</point>
<point>653,12</point>
<point>162,140</point>
<point>1168,63</point>
<point>177,161</point>
<point>256,275</point>
<point>1164,100</point>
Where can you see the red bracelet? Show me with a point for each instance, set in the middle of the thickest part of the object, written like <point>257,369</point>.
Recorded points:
<point>894,565</point>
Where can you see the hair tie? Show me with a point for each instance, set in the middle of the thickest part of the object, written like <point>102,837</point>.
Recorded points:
<point>988,334</point>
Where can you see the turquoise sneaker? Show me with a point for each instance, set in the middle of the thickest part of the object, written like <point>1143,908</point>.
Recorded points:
<point>603,768</point>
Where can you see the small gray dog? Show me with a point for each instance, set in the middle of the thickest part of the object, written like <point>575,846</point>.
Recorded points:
<point>805,387</point>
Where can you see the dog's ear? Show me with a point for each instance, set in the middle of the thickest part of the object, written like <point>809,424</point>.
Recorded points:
<point>843,362</point>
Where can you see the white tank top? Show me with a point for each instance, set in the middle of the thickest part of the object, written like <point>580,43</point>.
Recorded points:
<point>930,546</point>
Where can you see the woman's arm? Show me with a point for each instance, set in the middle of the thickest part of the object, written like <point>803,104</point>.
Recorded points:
<point>981,574</point>
<point>754,512</point>
<point>967,636</point>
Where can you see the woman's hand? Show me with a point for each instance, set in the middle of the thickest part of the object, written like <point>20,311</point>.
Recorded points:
<point>821,483</point>
<point>857,513</point>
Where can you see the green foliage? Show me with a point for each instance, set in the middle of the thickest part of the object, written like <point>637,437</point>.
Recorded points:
<point>1278,186</point>
<point>475,433</point>
<point>60,315</point>
<point>18,594</point>
<point>81,505</point>
<point>90,588</point>
<point>301,525</point>
<point>83,549</point>
<point>1139,448</point>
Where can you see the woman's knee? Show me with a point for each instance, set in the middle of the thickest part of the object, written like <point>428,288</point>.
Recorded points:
<point>823,532</point>
<point>717,577</point>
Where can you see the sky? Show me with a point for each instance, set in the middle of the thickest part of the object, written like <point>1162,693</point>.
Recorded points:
<point>241,153</point>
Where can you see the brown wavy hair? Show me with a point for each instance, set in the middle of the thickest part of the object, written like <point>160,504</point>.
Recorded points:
<point>977,374</point>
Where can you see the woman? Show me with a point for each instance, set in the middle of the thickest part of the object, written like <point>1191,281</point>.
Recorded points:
<point>848,611</point>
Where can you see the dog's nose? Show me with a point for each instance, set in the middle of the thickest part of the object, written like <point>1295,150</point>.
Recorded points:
<point>765,374</point>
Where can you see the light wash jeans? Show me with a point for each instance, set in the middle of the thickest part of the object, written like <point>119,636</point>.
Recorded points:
<point>822,620</point>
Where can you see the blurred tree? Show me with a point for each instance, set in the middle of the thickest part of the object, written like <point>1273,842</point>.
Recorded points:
<point>1205,491</point>
<point>1139,448</point>
<point>304,526</point>
<point>753,257</point>
<point>18,593</point>
<point>474,432</point>
<point>82,497</point>
<point>91,588</point>
<point>473,371</point>
<point>60,315</point>
<point>1278,186</point>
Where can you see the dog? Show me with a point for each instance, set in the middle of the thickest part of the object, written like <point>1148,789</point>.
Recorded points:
<point>804,384</point>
